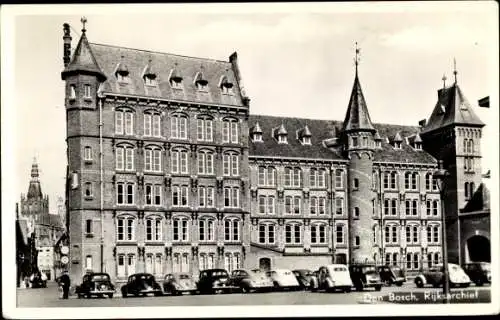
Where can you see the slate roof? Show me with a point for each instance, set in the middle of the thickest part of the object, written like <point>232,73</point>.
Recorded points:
<point>166,65</point>
<point>480,200</point>
<point>451,108</point>
<point>327,130</point>
<point>83,60</point>
<point>357,116</point>
<point>52,220</point>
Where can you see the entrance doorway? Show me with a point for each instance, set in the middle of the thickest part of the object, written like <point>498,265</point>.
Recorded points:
<point>479,249</point>
<point>265,264</point>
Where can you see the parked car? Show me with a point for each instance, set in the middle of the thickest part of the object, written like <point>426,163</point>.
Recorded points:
<point>214,280</point>
<point>365,276</point>
<point>334,276</point>
<point>249,280</point>
<point>435,276</point>
<point>304,278</point>
<point>141,284</point>
<point>478,272</point>
<point>95,284</point>
<point>283,279</point>
<point>178,283</point>
<point>391,275</point>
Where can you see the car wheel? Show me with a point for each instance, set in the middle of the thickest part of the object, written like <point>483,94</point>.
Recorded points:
<point>110,295</point>
<point>387,283</point>
<point>88,296</point>
<point>244,289</point>
<point>419,283</point>
<point>124,294</point>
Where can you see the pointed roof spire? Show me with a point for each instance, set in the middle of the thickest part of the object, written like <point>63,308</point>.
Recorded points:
<point>397,137</point>
<point>417,138</point>
<point>357,116</point>
<point>83,60</point>
<point>377,136</point>
<point>34,189</point>
<point>34,170</point>
<point>282,130</point>
<point>306,132</point>
<point>84,21</point>
<point>455,69</point>
<point>444,80</point>
<point>256,128</point>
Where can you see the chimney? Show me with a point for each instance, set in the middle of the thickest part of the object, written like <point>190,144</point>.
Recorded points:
<point>422,123</point>
<point>67,45</point>
<point>233,59</point>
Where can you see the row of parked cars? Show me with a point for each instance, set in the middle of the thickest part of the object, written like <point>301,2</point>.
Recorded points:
<point>327,278</point>
<point>476,272</point>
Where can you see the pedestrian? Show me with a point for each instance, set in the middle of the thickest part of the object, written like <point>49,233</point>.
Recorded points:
<point>65,283</point>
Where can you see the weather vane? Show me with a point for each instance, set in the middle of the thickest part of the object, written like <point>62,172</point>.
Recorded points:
<point>356,59</point>
<point>455,69</point>
<point>84,21</point>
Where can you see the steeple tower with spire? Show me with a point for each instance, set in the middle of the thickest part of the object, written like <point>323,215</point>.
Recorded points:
<point>34,203</point>
<point>358,145</point>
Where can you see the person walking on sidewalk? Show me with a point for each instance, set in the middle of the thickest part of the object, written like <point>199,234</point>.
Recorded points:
<point>65,282</point>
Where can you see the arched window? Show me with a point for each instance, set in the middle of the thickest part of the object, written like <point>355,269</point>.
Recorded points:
<point>394,180</point>
<point>340,234</point>
<point>267,233</point>
<point>318,234</point>
<point>416,261</point>
<point>180,226</point>
<point>124,157</point>
<point>312,177</point>
<point>436,257</point>
<point>204,129</point>
<point>313,205</point>
<point>391,233</point>
<point>231,229</point>
<point>206,227</point>
<point>471,146</point>
<point>428,181</point>
<point>179,161</point>
<point>293,233</point>
<point>152,124</point>
<point>178,126</point>
<point>230,130</point>
<point>472,189</point>
<point>125,193</point>
<point>124,121</point>
<point>152,159</point>
<point>125,228</point>
<point>230,164</point>
<point>395,259</point>
<point>339,184</point>
<point>206,162</point>
<point>339,205</point>
<point>153,228</point>
<point>152,194</point>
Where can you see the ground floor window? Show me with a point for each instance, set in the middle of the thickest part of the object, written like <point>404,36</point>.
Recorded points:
<point>231,262</point>
<point>181,263</point>
<point>206,261</point>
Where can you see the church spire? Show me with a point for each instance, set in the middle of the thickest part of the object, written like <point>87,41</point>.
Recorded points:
<point>357,116</point>
<point>35,189</point>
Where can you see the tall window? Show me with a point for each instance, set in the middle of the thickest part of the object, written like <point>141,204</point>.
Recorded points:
<point>206,229</point>
<point>266,233</point>
<point>339,206</point>
<point>391,234</point>
<point>411,207</point>
<point>179,161</point>
<point>152,194</point>
<point>267,176</point>
<point>267,204</point>
<point>204,129</point>
<point>318,234</point>
<point>390,207</point>
<point>230,164</point>
<point>181,262</point>
<point>232,261</point>
<point>411,180</point>
<point>412,234</point>
<point>88,190</point>
<point>125,228</point>
<point>317,205</point>
<point>433,232</point>
<point>87,153</point>
<point>178,126</point>
<point>390,180</point>
<point>230,131</point>
<point>231,197</point>
<point>180,229</point>
<point>124,122</point>
<point>88,226</point>
<point>292,205</point>
<point>180,196</point>
<point>153,229</point>
<point>340,234</point>
<point>293,233</point>
<point>124,159</point>
<point>231,229</point>
<point>317,178</point>
<point>125,193</point>
<point>293,177</point>
<point>120,272</point>
<point>206,197</point>
<point>152,124</point>
<point>339,183</point>
<point>205,162</point>
<point>152,159</point>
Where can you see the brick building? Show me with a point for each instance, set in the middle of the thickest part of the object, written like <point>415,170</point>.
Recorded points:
<point>168,171</point>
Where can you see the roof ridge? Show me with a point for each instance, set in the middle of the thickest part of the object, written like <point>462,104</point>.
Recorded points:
<point>159,52</point>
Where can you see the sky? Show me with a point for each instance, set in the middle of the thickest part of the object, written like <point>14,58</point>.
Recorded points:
<point>295,61</point>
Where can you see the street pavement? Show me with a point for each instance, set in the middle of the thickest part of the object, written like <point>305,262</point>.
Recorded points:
<point>408,293</point>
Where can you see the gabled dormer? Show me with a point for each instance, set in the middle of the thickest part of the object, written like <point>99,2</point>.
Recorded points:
<point>256,133</point>
<point>416,142</point>
<point>149,75</point>
<point>304,135</point>
<point>280,134</point>
<point>225,85</point>
<point>175,78</point>
<point>397,141</point>
<point>200,81</point>
<point>121,71</point>
<point>378,140</point>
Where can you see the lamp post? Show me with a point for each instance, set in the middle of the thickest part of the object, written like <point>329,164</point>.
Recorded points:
<point>440,176</point>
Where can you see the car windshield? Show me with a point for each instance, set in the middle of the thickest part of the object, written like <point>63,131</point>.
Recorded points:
<point>145,277</point>
<point>369,270</point>
<point>100,277</point>
<point>183,276</point>
<point>219,273</point>
<point>286,273</point>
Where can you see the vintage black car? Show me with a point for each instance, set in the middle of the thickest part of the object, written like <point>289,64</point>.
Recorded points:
<point>141,284</point>
<point>305,278</point>
<point>249,280</point>
<point>213,281</point>
<point>178,283</point>
<point>391,275</point>
<point>95,284</point>
<point>478,272</point>
<point>365,276</point>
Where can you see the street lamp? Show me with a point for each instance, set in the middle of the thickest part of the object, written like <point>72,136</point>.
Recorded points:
<point>440,176</point>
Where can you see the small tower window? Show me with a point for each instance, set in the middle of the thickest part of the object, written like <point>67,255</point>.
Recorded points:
<point>87,154</point>
<point>257,137</point>
<point>72,92</point>
<point>306,140</point>
<point>88,190</point>
<point>87,91</point>
<point>282,138</point>
<point>354,141</point>
<point>378,143</point>
<point>355,184</point>
<point>365,141</point>
<point>356,212</point>
<point>356,241</point>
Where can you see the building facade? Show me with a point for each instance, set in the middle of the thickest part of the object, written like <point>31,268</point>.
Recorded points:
<point>168,172</point>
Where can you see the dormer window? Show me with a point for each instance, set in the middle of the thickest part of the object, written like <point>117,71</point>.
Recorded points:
<point>397,141</point>
<point>378,140</point>
<point>257,137</point>
<point>378,143</point>
<point>122,72</point>
<point>417,142</point>
<point>225,85</point>
<point>306,140</point>
<point>282,139</point>
<point>256,133</point>
<point>397,145</point>
<point>200,81</point>
<point>418,146</point>
<point>149,75</point>
<point>281,134</point>
<point>72,92</point>
<point>175,78</point>
<point>304,135</point>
